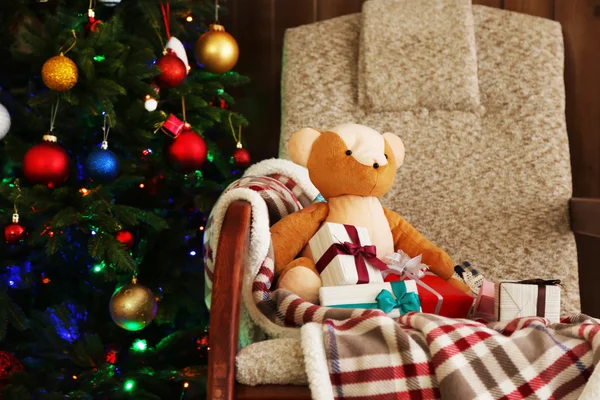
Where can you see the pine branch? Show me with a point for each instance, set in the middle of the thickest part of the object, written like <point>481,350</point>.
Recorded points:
<point>17,317</point>
<point>106,248</point>
<point>147,217</point>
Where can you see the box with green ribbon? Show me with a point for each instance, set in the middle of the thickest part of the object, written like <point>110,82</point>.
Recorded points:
<point>393,298</point>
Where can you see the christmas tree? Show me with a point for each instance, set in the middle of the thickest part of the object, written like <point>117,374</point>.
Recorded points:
<point>113,149</point>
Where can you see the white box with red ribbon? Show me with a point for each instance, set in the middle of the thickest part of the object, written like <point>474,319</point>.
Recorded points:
<point>345,255</point>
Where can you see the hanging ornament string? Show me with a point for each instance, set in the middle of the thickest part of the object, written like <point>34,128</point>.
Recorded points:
<point>16,208</point>
<point>217,11</point>
<point>183,109</point>
<point>53,112</point>
<point>238,137</point>
<point>70,47</point>
<point>92,24</point>
<point>166,13</point>
<point>105,132</point>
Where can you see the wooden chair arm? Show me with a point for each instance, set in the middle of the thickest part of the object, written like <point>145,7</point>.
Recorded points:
<point>585,216</point>
<point>230,265</point>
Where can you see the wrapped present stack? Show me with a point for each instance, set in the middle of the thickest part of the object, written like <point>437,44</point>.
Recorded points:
<point>353,277</point>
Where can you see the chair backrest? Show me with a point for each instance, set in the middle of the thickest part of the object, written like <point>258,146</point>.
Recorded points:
<point>477,96</point>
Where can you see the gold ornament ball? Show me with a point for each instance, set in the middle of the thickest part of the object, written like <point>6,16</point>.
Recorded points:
<point>217,50</point>
<point>60,73</point>
<point>133,307</point>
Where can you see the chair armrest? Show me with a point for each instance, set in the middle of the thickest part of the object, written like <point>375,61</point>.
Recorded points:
<point>585,216</point>
<point>230,265</point>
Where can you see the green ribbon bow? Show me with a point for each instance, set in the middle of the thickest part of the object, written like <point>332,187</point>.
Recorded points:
<point>406,302</point>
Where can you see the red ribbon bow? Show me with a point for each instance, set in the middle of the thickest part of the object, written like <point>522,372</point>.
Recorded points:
<point>356,249</point>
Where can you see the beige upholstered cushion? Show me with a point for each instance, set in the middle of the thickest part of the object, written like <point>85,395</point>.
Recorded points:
<point>438,33</point>
<point>490,186</point>
<point>272,362</point>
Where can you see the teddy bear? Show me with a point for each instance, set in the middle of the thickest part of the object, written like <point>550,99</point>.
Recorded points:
<point>352,166</point>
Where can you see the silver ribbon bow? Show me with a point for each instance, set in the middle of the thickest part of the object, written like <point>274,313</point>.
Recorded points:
<point>400,263</point>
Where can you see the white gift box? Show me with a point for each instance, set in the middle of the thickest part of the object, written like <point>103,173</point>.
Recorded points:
<point>342,270</point>
<point>365,296</point>
<point>515,300</point>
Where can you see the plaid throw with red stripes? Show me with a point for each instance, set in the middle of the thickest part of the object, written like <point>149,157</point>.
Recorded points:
<point>367,355</point>
<point>424,356</point>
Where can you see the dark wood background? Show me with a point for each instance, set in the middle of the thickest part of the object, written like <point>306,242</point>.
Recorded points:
<point>259,26</point>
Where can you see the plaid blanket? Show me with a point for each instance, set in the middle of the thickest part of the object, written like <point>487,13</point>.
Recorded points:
<point>425,356</point>
<point>364,354</point>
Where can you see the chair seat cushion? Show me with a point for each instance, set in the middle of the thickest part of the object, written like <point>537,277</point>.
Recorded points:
<point>271,362</point>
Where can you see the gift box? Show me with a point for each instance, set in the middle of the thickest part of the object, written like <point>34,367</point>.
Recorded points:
<point>393,298</point>
<point>172,126</point>
<point>485,303</point>
<point>344,255</point>
<point>439,297</point>
<point>528,298</point>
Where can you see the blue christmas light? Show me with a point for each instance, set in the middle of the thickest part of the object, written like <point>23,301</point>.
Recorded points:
<point>65,320</point>
<point>18,277</point>
<point>94,233</point>
<point>192,253</point>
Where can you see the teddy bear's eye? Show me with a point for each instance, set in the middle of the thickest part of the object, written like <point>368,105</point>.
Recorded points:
<point>348,152</point>
<point>386,156</point>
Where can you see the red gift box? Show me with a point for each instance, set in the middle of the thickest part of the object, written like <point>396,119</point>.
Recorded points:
<point>454,303</point>
<point>173,126</point>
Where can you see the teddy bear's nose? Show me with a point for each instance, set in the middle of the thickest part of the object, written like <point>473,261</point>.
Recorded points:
<point>375,165</point>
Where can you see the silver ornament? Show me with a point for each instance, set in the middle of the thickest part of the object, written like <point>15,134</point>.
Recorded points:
<point>109,3</point>
<point>4,121</point>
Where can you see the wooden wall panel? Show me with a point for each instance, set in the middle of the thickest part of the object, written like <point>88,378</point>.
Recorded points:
<point>581,28</point>
<point>259,26</point>
<point>540,8</point>
<point>489,3</point>
<point>251,23</point>
<point>334,8</point>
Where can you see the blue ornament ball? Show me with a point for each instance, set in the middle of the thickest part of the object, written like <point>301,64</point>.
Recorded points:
<point>102,165</point>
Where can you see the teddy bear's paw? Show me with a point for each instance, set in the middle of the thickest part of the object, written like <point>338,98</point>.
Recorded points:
<point>303,282</point>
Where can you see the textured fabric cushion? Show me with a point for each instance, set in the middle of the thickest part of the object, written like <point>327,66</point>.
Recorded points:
<point>490,187</point>
<point>272,362</point>
<point>431,64</point>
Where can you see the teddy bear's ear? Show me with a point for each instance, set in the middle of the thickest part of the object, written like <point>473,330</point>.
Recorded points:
<point>397,147</point>
<point>300,145</point>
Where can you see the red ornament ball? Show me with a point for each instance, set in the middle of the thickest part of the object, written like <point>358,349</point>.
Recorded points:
<point>13,233</point>
<point>241,158</point>
<point>8,364</point>
<point>173,71</point>
<point>126,238</point>
<point>46,163</point>
<point>187,152</point>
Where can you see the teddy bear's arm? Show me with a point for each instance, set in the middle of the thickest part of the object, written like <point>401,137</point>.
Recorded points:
<point>292,233</point>
<point>413,243</point>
